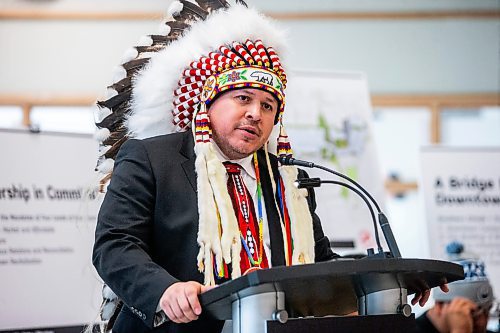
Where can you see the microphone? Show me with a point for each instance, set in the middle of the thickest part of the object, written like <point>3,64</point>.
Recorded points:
<point>382,219</point>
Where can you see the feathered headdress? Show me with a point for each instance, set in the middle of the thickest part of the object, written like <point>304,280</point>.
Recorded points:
<point>167,83</point>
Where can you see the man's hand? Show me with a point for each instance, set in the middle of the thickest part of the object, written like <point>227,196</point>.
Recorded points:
<point>422,297</point>
<point>458,315</point>
<point>180,301</point>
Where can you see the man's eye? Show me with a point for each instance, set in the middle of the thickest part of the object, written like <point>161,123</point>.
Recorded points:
<point>267,107</point>
<point>243,98</point>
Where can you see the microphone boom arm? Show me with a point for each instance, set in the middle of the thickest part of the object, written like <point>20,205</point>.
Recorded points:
<point>382,219</point>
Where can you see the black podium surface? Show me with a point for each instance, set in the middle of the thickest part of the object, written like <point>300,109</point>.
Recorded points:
<point>331,288</point>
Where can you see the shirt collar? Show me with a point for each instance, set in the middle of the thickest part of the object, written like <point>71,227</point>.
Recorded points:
<point>246,162</point>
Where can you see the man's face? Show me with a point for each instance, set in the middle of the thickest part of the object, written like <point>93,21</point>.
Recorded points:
<point>242,120</point>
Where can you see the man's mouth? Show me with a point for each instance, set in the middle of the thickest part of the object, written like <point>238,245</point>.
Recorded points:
<point>249,129</point>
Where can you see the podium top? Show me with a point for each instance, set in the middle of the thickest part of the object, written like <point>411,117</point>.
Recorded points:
<point>331,288</point>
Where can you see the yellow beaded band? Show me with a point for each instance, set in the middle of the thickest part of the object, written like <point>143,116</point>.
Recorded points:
<point>251,77</point>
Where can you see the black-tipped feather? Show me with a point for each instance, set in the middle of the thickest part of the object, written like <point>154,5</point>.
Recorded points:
<point>177,28</point>
<point>112,122</point>
<point>135,64</point>
<point>162,40</point>
<point>115,136</point>
<point>121,85</point>
<point>190,12</point>
<point>152,48</point>
<point>111,153</point>
<point>115,101</point>
<point>211,5</point>
<point>241,2</point>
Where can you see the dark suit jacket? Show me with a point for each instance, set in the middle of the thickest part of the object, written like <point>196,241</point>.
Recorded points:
<point>148,224</point>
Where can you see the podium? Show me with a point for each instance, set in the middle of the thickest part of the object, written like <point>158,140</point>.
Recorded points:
<point>314,296</point>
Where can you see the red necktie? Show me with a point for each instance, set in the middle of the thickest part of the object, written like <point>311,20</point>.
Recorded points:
<point>247,221</point>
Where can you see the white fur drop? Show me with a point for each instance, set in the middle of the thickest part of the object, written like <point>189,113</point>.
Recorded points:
<point>230,229</point>
<point>208,232</point>
<point>301,219</point>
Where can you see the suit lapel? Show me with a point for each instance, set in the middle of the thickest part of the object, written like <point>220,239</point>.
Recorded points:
<point>187,150</point>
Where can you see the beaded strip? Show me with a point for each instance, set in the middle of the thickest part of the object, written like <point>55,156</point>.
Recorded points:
<point>260,216</point>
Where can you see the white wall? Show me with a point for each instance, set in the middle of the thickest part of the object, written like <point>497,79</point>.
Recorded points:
<point>407,56</point>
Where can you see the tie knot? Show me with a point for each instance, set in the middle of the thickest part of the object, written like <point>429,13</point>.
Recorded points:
<point>232,168</point>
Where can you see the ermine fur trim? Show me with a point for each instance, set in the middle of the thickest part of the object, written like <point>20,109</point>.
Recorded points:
<point>300,217</point>
<point>208,232</point>
<point>230,239</point>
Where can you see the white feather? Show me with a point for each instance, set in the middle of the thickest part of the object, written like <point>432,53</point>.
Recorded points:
<point>101,134</point>
<point>119,73</point>
<point>106,166</point>
<point>175,8</point>
<point>100,113</point>
<point>164,29</point>
<point>145,41</point>
<point>130,54</point>
<point>110,92</point>
<point>103,150</point>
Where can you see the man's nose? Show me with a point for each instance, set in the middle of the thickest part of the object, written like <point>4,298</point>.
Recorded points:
<point>253,111</point>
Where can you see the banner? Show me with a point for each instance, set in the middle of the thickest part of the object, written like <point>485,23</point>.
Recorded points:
<point>47,219</point>
<point>461,188</point>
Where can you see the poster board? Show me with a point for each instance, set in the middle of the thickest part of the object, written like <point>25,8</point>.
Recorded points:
<point>47,223</point>
<point>328,118</point>
<point>461,188</point>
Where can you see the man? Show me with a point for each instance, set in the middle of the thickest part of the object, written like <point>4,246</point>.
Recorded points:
<point>176,220</point>
<point>465,308</point>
